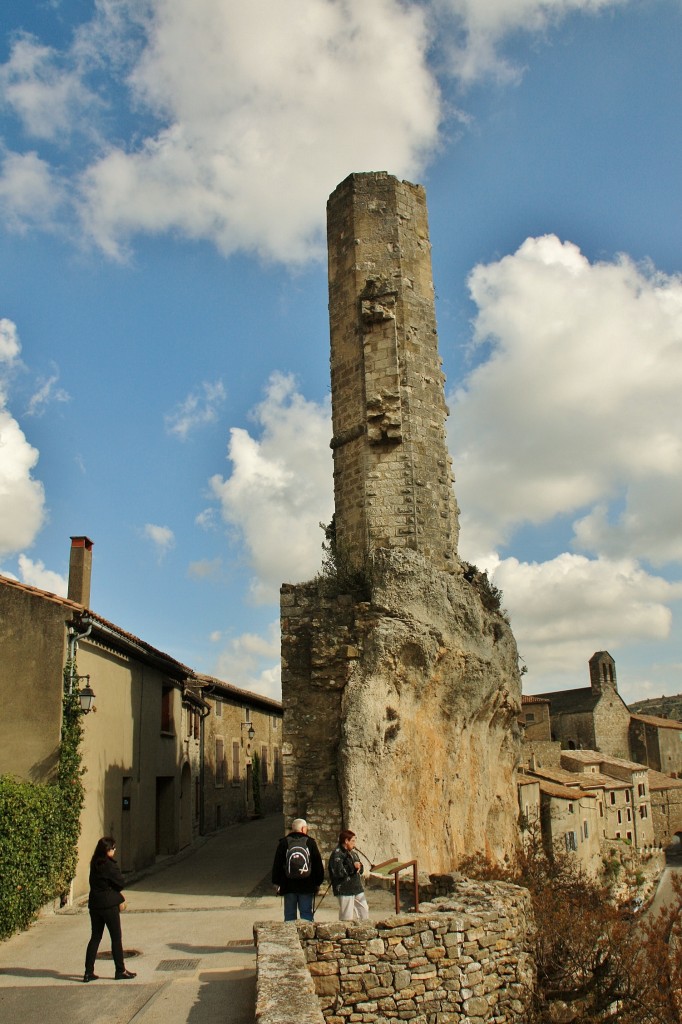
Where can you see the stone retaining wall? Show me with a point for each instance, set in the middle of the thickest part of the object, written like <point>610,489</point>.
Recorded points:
<point>462,958</point>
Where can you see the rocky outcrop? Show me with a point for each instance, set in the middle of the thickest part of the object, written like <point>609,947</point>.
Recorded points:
<point>401,714</point>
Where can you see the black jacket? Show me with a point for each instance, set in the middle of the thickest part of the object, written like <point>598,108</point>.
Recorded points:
<point>345,878</point>
<point>106,883</point>
<point>279,877</point>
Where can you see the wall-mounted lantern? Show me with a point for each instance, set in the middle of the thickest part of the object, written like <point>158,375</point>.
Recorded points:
<point>252,732</point>
<point>86,696</point>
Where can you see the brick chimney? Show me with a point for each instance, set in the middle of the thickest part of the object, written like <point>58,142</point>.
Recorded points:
<point>80,570</point>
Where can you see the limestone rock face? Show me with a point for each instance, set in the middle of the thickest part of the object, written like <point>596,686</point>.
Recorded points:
<point>414,696</point>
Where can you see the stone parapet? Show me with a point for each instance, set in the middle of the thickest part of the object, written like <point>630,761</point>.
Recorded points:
<point>465,957</point>
<point>285,993</point>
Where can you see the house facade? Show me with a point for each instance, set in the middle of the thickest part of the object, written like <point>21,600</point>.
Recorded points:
<point>144,749</point>
<point>239,726</point>
<point>657,742</point>
<point>666,807</point>
<point>568,819</point>
<point>628,806</point>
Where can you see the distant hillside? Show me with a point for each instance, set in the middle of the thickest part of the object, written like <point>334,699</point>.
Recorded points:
<point>663,707</point>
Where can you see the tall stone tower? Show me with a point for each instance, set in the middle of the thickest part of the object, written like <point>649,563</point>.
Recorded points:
<point>392,471</point>
<point>400,678</point>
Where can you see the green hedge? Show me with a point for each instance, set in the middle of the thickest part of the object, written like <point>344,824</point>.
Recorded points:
<point>39,829</point>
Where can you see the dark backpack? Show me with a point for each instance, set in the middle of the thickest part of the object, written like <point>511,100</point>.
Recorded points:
<point>297,858</point>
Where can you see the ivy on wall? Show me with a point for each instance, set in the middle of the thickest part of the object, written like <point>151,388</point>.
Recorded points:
<point>39,828</point>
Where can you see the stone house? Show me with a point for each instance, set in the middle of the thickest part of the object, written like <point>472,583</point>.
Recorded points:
<point>194,711</point>
<point>535,718</point>
<point>143,749</point>
<point>657,742</point>
<point>666,807</point>
<point>567,813</point>
<point>569,822</point>
<point>628,807</point>
<point>536,730</point>
<point>593,717</point>
<point>239,725</point>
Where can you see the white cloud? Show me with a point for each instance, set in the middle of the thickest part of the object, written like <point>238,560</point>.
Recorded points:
<point>36,575</point>
<point>46,97</point>
<point>22,499</point>
<point>29,191</point>
<point>199,408</point>
<point>252,662</point>
<point>47,392</point>
<point>280,488</point>
<point>206,569</point>
<point>9,342</point>
<point>576,407</point>
<point>260,111</point>
<point>566,608</point>
<point>475,29</point>
<point>162,537</point>
<point>232,123</point>
<point>206,519</point>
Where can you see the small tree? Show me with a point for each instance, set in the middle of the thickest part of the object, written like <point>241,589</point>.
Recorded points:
<point>596,963</point>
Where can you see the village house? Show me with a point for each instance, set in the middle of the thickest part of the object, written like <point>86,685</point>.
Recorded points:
<point>143,746</point>
<point>628,806</point>
<point>568,816</point>
<point>666,807</point>
<point>239,726</point>
<point>568,813</point>
<point>657,742</point>
<point>536,731</point>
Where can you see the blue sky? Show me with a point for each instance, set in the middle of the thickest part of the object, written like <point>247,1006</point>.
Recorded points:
<point>164,169</point>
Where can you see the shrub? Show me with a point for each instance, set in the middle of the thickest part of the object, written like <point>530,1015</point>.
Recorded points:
<point>596,962</point>
<point>337,575</point>
<point>39,829</point>
<point>490,595</point>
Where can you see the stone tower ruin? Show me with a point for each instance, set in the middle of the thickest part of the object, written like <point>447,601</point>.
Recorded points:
<point>392,471</point>
<point>400,678</point>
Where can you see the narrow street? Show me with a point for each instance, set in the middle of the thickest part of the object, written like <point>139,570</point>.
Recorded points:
<point>664,891</point>
<point>189,932</point>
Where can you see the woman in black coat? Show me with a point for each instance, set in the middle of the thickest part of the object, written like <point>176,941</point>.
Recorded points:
<point>104,903</point>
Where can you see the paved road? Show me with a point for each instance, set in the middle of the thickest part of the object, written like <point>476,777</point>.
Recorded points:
<point>190,925</point>
<point>664,891</point>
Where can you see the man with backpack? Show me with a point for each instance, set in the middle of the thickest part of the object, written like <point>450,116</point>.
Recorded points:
<point>297,871</point>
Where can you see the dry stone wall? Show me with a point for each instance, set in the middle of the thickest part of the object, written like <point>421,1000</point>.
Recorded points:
<point>463,958</point>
